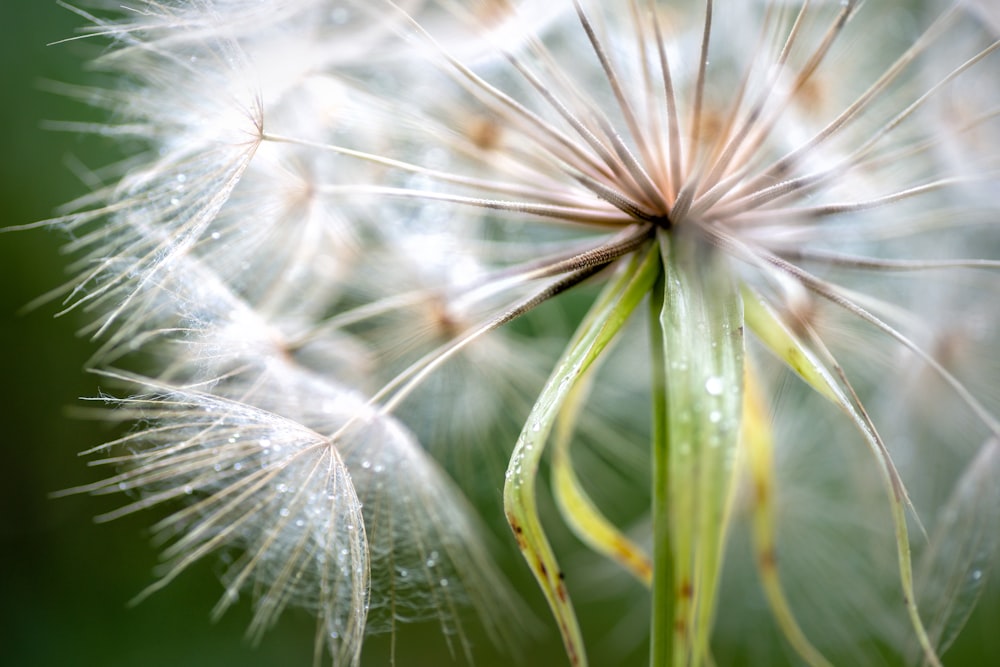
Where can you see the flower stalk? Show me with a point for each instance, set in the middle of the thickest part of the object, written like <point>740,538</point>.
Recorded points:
<point>662,631</point>
<point>696,432</point>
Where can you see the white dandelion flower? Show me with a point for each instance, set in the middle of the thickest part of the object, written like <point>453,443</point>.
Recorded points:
<point>344,204</point>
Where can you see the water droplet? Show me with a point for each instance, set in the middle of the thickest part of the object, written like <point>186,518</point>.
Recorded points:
<point>714,386</point>
<point>366,464</point>
<point>265,443</point>
<point>284,511</point>
<point>977,575</point>
<point>444,583</point>
<point>188,490</point>
<point>181,178</point>
<point>714,416</point>
<point>536,427</point>
<point>237,466</point>
<point>282,488</point>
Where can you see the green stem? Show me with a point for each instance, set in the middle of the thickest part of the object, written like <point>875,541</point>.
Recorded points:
<point>697,357</point>
<point>662,624</point>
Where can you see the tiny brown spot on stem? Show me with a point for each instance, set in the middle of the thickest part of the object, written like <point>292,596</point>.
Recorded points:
<point>515,526</point>
<point>761,490</point>
<point>574,658</point>
<point>768,559</point>
<point>685,590</point>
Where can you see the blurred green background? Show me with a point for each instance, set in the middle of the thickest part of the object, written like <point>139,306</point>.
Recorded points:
<point>65,582</point>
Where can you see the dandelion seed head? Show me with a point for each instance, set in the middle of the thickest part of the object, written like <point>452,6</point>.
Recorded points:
<point>343,205</point>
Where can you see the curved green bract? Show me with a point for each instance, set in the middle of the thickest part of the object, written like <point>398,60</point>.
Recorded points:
<point>580,513</point>
<point>758,448</point>
<point>827,379</point>
<point>605,319</point>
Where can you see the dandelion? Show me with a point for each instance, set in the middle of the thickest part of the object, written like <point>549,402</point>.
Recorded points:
<point>790,208</point>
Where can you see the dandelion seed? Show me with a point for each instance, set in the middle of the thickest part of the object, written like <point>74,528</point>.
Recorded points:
<point>345,204</point>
